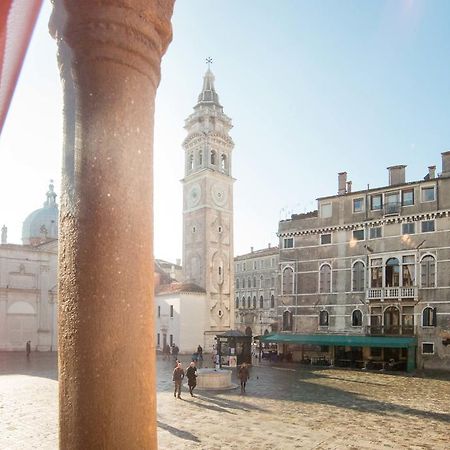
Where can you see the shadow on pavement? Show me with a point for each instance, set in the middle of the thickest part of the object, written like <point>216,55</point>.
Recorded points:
<point>179,433</point>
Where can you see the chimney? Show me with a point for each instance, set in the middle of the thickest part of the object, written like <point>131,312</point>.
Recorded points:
<point>4,234</point>
<point>251,249</point>
<point>269,245</point>
<point>342,181</point>
<point>349,187</point>
<point>445,164</point>
<point>396,175</point>
<point>431,172</point>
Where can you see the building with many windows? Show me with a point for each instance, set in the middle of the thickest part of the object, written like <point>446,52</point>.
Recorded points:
<point>256,281</point>
<point>365,279</point>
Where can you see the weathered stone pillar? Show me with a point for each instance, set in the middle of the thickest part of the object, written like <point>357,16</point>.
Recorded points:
<point>109,57</point>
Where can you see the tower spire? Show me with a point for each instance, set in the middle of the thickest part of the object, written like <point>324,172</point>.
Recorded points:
<point>208,95</point>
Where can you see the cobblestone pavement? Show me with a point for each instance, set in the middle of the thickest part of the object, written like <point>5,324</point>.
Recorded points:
<point>285,407</point>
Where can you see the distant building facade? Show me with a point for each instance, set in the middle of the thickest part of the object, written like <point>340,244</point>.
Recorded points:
<point>256,293</point>
<point>28,282</point>
<point>367,275</point>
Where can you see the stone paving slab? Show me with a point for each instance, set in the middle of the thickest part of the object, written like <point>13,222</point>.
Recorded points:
<point>284,408</point>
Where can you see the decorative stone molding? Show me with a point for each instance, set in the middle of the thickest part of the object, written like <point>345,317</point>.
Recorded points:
<point>368,224</point>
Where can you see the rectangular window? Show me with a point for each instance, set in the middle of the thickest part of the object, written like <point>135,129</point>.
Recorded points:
<point>159,311</point>
<point>325,239</point>
<point>408,197</point>
<point>374,232</point>
<point>376,202</point>
<point>171,339</point>
<point>358,235</point>
<point>427,226</point>
<point>376,272</point>
<point>158,337</point>
<point>171,310</point>
<point>428,194</point>
<point>409,271</point>
<point>427,348</point>
<point>288,243</point>
<point>358,205</point>
<point>254,265</point>
<point>243,267</point>
<point>408,228</point>
<point>392,203</point>
<point>325,210</point>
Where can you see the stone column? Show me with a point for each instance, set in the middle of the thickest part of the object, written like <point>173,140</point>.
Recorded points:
<point>109,55</point>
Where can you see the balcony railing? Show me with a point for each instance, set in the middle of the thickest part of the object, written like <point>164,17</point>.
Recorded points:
<point>391,293</point>
<point>391,330</point>
<point>392,208</point>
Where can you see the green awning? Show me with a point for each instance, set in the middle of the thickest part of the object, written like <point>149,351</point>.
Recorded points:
<point>341,340</point>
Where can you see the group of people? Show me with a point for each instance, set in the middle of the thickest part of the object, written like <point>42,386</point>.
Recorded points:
<point>178,376</point>
<point>170,350</point>
<point>191,374</point>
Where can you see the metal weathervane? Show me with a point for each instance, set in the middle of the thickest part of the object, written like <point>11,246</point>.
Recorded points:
<point>209,61</point>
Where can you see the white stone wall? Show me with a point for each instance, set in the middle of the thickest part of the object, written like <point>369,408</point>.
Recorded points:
<point>28,297</point>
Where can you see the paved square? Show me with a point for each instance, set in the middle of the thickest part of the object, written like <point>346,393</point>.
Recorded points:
<point>285,408</point>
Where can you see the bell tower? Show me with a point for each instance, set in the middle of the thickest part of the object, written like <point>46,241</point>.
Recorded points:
<point>208,208</point>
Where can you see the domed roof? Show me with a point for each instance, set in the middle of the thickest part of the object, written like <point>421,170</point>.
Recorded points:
<point>42,225</point>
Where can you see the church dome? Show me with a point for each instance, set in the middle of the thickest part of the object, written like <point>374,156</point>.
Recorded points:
<point>42,225</point>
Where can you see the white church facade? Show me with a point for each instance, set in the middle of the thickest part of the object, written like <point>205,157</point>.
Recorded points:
<point>28,282</point>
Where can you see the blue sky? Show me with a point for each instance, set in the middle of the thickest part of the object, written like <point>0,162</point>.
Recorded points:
<point>313,88</point>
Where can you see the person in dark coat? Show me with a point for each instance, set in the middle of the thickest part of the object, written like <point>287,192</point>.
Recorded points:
<point>191,374</point>
<point>243,376</point>
<point>175,351</point>
<point>28,348</point>
<point>200,353</point>
<point>177,377</point>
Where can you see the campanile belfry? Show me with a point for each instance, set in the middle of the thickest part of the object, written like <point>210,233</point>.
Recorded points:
<point>208,207</point>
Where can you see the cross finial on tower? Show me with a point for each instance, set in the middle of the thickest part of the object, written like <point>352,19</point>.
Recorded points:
<point>209,62</point>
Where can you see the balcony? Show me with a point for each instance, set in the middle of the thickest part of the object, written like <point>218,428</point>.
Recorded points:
<point>392,293</point>
<point>392,330</point>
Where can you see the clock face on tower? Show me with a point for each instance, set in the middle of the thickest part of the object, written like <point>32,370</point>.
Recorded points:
<point>219,194</point>
<point>194,195</point>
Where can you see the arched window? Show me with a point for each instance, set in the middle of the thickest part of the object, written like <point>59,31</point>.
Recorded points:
<point>392,272</point>
<point>429,317</point>
<point>392,320</point>
<point>254,282</point>
<point>288,281</point>
<point>358,277</point>
<point>237,302</point>
<point>325,278</point>
<point>261,302</point>
<point>249,283</point>
<point>200,158</point>
<point>213,157</point>
<point>191,161</point>
<point>428,271</point>
<point>261,278</point>
<point>254,302</point>
<point>249,302</point>
<point>323,318</point>
<point>243,283</point>
<point>223,162</point>
<point>356,318</point>
<point>287,321</point>
<point>243,302</point>
<point>272,301</point>
<point>237,283</point>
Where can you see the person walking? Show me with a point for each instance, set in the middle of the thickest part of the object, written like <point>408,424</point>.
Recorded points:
<point>175,351</point>
<point>243,376</point>
<point>191,374</point>
<point>199,353</point>
<point>166,352</point>
<point>177,377</point>
<point>28,348</point>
